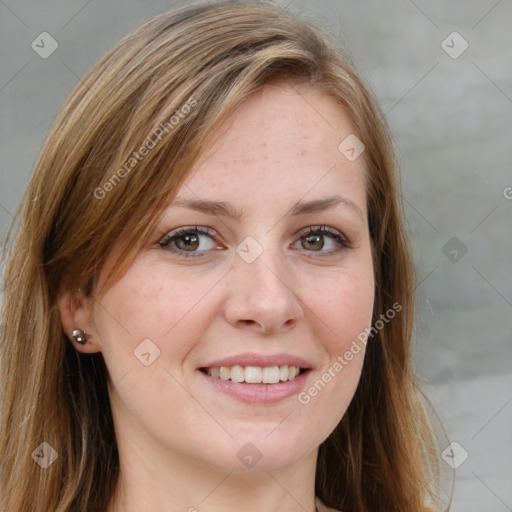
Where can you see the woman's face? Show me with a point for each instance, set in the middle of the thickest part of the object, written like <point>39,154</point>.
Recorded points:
<point>261,264</point>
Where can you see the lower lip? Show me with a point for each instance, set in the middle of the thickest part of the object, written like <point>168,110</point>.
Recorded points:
<point>258,393</point>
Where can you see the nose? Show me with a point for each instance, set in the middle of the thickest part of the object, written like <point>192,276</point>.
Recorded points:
<point>261,296</point>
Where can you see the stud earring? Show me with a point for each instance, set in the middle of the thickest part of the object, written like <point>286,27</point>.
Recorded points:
<point>79,336</point>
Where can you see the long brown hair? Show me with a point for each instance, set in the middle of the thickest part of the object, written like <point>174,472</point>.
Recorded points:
<point>173,81</point>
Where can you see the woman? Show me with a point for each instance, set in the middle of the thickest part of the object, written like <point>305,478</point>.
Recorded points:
<point>208,302</point>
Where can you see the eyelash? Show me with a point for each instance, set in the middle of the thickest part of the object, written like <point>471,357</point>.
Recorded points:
<point>168,239</point>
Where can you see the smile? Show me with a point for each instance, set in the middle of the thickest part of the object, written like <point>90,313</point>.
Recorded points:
<point>254,374</point>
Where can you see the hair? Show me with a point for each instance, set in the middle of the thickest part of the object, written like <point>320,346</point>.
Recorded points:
<point>172,82</point>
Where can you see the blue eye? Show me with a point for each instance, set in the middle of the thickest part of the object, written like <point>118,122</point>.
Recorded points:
<point>189,241</point>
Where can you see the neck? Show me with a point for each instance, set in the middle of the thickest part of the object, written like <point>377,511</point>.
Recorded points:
<point>154,479</point>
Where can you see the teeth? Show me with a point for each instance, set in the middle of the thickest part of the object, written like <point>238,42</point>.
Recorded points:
<point>293,371</point>
<point>237,373</point>
<point>255,374</point>
<point>271,375</point>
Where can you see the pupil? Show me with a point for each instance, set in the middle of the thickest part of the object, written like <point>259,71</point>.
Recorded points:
<point>188,241</point>
<point>315,242</point>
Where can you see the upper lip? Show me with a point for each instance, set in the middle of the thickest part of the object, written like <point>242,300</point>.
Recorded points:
<point>263,360</point>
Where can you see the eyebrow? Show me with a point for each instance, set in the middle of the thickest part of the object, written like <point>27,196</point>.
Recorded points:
<point>224,209</point>
<point>210,207</point>
<point>319,205</point>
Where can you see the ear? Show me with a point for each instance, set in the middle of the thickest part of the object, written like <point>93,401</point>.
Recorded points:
<point>75,313</point>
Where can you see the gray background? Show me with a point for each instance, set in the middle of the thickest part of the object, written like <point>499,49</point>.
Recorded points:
<point>451,119</point>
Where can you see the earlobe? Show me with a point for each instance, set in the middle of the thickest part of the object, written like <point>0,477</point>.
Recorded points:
<point>76,319</point>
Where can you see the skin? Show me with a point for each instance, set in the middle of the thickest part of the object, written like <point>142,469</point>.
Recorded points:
<point>178,438</point>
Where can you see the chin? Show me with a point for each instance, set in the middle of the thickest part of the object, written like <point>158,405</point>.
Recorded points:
<point>259,453</point>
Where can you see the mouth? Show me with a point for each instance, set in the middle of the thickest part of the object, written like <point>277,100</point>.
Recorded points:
<point>255,374</point>
<point>257,379</point>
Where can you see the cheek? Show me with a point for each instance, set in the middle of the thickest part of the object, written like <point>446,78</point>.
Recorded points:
<point>149,305</point>
<point>344,307</point>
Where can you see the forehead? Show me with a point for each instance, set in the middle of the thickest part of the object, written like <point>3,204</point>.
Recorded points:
<point>282,140</point>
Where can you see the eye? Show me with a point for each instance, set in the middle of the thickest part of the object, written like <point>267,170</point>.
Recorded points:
<point>189,241</point>
<point>194,241</point>
<point>323,240</point>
